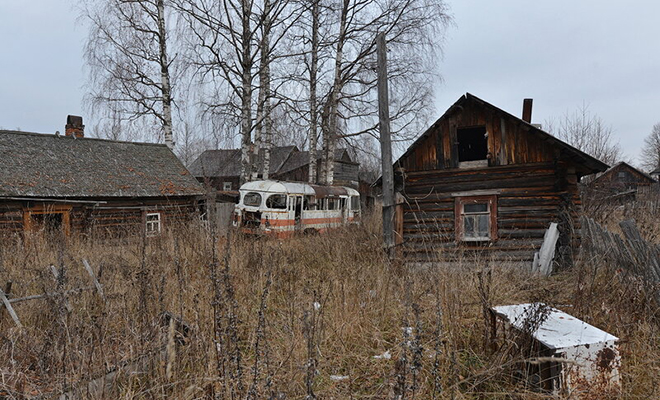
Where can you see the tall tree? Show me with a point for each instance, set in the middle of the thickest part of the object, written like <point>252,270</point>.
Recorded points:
<point>127,56</point>
<point>650,156</point>
<point>587,132</point>
<point>349,97</point>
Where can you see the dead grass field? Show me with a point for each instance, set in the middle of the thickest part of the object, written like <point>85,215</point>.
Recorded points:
<point>297,319</point>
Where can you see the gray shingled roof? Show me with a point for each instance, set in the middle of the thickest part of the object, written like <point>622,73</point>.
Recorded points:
<point>301,158</point>
<point>45,166</point>
<point>212,163</point>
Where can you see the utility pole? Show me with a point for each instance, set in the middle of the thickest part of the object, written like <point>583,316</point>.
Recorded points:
<point>385,147</point>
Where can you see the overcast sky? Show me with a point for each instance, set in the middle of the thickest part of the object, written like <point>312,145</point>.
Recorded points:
<point>561,53</point>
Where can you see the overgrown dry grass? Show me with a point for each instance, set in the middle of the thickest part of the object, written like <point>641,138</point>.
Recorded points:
<point>302,318</point>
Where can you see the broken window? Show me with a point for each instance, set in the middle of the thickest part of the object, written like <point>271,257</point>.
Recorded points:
<point>472,144</point>
<point>476,218</point>
<point>153,224</point>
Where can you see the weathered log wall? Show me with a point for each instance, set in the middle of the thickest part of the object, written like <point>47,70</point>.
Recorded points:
<point>106,218</point>
<point>529,197</point>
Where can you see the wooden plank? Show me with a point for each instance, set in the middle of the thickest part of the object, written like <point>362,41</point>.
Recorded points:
<point>10,309</point>
<point>99,288</point>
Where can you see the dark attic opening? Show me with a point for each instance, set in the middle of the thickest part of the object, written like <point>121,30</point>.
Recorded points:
<point>472,144</point>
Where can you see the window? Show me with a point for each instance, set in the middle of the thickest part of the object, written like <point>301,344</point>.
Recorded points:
<point>226,186</point>
<point>472,146</point>
<point>252,199</point>
<point>276,201</point>
<point>476,218</point>
<point>153,224</point>
<point>355,203</point>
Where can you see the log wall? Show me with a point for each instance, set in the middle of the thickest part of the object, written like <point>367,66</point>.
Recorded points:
<point>111,218</point>
<point>529,197</point>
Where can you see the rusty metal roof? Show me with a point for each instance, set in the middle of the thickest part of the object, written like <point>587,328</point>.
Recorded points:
<point>558,330</point>
<point>55,166</point>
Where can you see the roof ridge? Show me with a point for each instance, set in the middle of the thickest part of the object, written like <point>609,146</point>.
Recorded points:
<point>64,137</point>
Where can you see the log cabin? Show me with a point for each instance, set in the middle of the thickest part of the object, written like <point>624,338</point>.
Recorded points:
<point>482,181</point>
<point>65,184</point>
<point>618,185</point>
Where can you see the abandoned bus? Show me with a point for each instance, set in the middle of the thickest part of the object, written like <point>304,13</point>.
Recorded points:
<point>283,208</point>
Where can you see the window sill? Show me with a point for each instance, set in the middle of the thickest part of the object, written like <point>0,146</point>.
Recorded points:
<point>472,164</point>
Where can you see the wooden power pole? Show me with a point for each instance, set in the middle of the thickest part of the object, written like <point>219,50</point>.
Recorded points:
<point>385,147</point>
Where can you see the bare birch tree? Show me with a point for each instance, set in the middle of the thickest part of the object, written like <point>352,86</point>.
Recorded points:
<point>349,102</point>
<point>650,156</point>
<point>588,133</point>
<point>127,56</point>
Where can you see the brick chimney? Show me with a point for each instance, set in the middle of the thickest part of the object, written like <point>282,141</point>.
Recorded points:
<point>527,110</point>
<point>74,126</point>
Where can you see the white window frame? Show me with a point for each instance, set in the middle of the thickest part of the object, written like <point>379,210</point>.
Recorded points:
<point>491,212</point>
<point>153,227</point>
<point>226,186</point>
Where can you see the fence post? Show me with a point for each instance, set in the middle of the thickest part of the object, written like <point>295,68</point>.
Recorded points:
<point>9,308</point>
<point>99,288</point>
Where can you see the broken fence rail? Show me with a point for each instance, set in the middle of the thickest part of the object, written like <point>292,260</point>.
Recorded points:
<point>7,302</point>
<point>631,253</point>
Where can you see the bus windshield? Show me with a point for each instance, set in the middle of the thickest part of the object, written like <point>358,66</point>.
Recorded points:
<point>252,199</point>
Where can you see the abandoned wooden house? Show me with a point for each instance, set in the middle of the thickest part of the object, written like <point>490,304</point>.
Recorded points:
<point>69,183</point>
<point>221,168</point>
<point>482,181</point>
<point>617,185</point>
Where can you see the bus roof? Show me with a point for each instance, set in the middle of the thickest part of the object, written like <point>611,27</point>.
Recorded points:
<point>298,188</point>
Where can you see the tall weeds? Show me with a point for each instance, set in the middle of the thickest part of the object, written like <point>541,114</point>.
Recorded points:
<point>311,317</point>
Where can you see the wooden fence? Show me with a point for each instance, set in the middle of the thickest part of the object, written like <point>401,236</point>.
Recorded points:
<point>631,253</point>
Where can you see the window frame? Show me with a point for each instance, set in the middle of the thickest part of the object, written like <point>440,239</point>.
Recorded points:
<point>157,223</point>
<point>459,216</point>
<point>225,188</point>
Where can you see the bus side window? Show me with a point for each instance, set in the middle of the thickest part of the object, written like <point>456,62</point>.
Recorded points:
<point>342,203</point>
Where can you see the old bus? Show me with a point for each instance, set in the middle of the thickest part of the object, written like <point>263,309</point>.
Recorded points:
<point>283,208</point>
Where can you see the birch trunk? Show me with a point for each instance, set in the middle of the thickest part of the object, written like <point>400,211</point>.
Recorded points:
<point>266,132</point>
<point>246,93</point>
<point>165,77</point>
<point>313,134</point>
<point>331,134</point>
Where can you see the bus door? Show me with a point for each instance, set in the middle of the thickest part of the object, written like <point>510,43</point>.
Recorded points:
<point>297,206</point>
<point>343,205</point>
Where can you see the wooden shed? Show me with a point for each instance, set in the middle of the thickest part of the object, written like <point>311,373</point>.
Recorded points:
<point>618,185</point>
<point>68,183</point>
<point>482,180</point>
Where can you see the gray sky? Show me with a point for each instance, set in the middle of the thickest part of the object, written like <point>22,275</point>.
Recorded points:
<point>561,53</point>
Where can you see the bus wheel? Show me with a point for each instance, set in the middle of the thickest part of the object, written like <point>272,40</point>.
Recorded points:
<point>311,232</point>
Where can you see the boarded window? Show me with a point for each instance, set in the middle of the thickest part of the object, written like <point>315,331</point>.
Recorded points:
<point>476,218</point>
<point>472,144</point>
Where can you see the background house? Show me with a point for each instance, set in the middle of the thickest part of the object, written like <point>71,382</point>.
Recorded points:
<point>69,183</point>
<point>221,169</point>
<point>481,179</point>
<point>619,184</point>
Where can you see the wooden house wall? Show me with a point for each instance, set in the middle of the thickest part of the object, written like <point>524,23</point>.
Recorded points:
<point>112,218</point>
<point>529,197</point>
